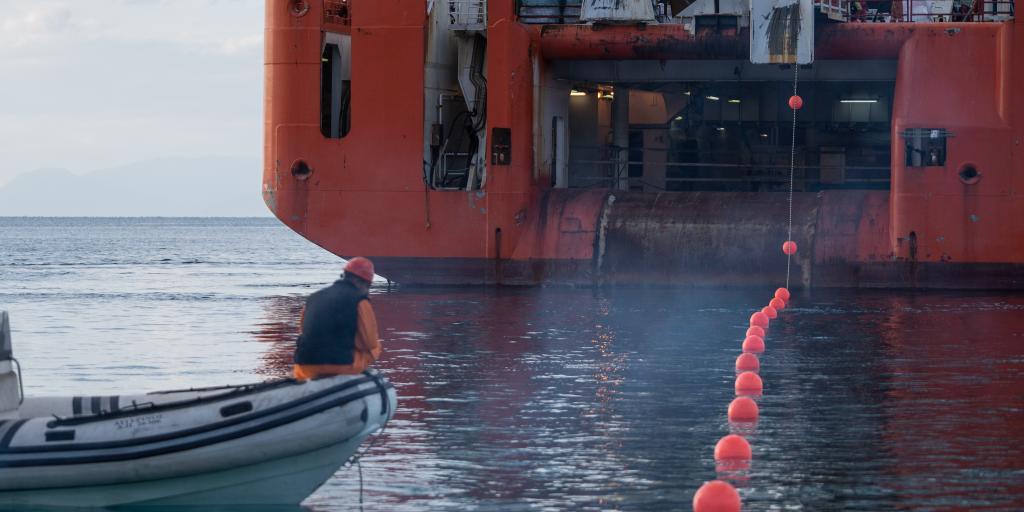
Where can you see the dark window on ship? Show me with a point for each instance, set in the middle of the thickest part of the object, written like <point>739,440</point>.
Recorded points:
<point>335,87</point>
<point>925,147</point>
<point>723,24</point>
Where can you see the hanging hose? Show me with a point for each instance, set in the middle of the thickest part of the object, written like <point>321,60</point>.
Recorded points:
<point>792,165</point>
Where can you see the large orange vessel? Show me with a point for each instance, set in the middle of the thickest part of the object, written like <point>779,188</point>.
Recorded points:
<point>619,141</point>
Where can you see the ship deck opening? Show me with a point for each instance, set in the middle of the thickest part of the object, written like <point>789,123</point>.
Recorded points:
<point>725,126</point>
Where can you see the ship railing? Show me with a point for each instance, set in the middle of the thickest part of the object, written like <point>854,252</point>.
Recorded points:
<point>337,14</point>
<point>452,172</point>
<point>917,11</point>
<point>680,176</point>
<point>563,12</point>
<point>467,14</point>
<point>551,12</point>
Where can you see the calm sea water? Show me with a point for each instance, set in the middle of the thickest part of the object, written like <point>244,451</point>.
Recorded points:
<point>549,399</point>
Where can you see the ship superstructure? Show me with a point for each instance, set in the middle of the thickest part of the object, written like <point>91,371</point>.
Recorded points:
<point>619,141</point>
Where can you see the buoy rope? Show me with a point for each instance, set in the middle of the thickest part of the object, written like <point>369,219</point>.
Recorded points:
<point>357,459</point>
<point>792,166</point>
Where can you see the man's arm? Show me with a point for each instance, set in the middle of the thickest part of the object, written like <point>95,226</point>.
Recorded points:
<point>367,337</point>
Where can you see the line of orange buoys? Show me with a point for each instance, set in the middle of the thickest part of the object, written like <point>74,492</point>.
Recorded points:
<point>733,451</point>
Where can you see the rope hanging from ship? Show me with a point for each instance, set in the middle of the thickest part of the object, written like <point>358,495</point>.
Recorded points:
<point>795,102</point>
<point>733,452</point>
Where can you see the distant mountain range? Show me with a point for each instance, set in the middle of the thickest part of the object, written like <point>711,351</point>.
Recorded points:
<point>169,187</point>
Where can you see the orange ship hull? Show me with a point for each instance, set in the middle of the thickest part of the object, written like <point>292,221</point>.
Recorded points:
<point>954,225</point>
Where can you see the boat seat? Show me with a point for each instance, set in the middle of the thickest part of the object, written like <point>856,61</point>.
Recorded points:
<point>10,387</point>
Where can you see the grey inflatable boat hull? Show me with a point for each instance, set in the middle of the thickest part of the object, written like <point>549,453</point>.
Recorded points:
<point>263,444</point>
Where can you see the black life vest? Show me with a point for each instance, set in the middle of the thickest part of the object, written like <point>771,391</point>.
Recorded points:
<point>329,328</point>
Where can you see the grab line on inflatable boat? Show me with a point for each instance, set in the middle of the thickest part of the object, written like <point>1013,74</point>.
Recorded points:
<point>135,408</point>
<point>138,454</point>
<point>259,386</point>
<point>308,411</point>
<point>172,435</point>
<point>9,435</point>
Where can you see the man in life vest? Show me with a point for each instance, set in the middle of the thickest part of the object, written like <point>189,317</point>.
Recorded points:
<point>339,329</point>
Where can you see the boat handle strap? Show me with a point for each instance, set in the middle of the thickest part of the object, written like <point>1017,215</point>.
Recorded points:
<point>21,385</point>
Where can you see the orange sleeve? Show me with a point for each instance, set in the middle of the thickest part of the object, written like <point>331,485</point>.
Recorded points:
<point>367,336</point>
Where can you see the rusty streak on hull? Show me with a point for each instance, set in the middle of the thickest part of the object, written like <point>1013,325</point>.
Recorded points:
<point>713,239</point>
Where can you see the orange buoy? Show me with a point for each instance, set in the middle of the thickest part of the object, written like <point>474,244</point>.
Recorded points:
<point>747,362</point>
<point>716,496</point>
<point>783,294</point>
<point>747,383</point>
<point>759,319</point>
<point>770,312</point>
<point>778,304</point>
<point>795,102</point>
<point>732,446</point>
<point>755,330</point>
<point>743,408</point>
<point>789,247</point>
<point>753,344</point>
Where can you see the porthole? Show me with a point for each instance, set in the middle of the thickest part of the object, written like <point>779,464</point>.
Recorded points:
<point>969,174</point>
<point>301,170</point>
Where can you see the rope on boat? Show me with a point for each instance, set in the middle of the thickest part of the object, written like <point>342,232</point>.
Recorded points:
<point>357,460</point>
<point>792,166</point>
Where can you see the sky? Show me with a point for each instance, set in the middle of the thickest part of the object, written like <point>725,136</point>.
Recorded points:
<point>94,84</point>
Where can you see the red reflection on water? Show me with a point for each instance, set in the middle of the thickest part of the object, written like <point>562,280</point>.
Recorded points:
<point>954,407</point>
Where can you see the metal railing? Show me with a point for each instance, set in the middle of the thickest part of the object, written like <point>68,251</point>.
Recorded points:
<point>610,173</point>
<point>467,14</point>
<point>337,12</point>
<point>555,12</point>
<point>908,11</point>
<point>877,11</point>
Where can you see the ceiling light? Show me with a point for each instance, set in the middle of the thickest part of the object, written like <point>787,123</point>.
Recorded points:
<point>734,100</point>
<point>764,135</point>
<point>679,118</point>
<point>858,101</point>
<point>721,128</point>
<point>712,98</point>
<point>575,92</point>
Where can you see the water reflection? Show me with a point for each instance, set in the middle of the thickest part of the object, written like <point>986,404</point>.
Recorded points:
<point>548,398</point>
<point>522,399</point>
<point>279,328</point>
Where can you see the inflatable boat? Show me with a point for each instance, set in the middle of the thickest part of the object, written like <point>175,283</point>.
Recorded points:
<point>260,444</point>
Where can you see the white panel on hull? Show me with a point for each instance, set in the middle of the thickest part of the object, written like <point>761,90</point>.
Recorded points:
<point>782,32</point>
<point>621,11</point>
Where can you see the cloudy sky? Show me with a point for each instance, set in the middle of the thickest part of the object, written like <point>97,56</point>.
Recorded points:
<point>93,84</point>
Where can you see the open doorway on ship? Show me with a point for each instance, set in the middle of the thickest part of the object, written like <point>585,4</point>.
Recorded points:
<point>729,135</point>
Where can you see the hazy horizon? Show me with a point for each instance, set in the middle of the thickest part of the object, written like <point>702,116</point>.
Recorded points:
<point>94,86</point>
<point>208,186</point>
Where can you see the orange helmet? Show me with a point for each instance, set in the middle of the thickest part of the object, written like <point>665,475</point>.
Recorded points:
<point>360,266</point>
